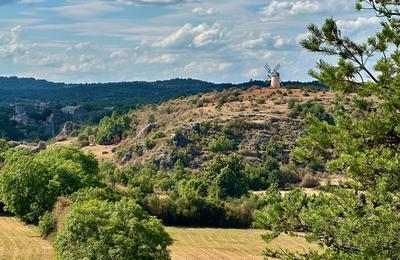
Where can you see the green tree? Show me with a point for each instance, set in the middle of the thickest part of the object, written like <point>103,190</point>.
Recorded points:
<point>111,129</point>
<point>361,221</point>
<point>226,176</point>
<point>98,229</point>
<point>29,184</point>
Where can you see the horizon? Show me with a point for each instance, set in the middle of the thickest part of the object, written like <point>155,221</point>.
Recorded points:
<point>98,41</point>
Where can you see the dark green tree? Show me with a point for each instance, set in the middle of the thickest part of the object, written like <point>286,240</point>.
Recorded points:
<point>226,176</point>
<point>361,221</point>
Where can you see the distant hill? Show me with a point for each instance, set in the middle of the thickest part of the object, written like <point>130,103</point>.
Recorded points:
<point>119,93</point>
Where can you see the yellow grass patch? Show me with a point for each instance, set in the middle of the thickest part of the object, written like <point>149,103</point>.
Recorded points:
<point>214,243</point>
<point>19,241</point>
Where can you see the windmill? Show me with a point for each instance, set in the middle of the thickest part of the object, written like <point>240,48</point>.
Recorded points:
<point>274,76</point>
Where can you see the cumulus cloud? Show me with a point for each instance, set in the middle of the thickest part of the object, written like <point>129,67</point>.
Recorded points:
<point>193,36</point>
<point>201,12</point>
<point>266,40</point>
<point>360,22</point>
<point>296,7</point>
<point>10,43</point>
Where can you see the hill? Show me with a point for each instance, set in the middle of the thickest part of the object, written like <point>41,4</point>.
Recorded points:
<point>112,94</point>
<point>194,128</point>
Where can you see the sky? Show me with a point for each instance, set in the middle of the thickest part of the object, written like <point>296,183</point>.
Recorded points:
<point>78,41</point>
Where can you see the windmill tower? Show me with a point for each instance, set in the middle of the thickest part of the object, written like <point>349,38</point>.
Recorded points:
<point>274,76</point>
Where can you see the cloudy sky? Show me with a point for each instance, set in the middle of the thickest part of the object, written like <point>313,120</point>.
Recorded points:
<point>124,40</point>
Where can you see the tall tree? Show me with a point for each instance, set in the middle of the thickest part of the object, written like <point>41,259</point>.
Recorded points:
<point>361,221</point>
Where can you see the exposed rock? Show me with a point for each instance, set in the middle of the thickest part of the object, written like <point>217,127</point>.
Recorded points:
<point>40,147</point>
<point>127,157</point>
<point>179,140</point>
<point>68,128</point>
<point>146,130</point>
<point>164,161</point>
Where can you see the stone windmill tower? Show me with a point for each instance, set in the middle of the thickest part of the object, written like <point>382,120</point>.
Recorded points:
<point>274,76</point>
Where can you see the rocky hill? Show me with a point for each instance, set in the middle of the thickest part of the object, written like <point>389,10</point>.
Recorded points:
<point>252,123</point>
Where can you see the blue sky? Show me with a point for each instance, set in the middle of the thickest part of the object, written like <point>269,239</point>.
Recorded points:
<point>124,40</point>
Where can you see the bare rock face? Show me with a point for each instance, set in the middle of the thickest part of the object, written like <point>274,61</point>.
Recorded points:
<point>68,128</point>
<point>40,147</point>
<point>146,130</point>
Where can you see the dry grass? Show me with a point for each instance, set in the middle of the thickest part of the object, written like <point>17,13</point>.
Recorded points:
<point>213,243</point>
<point>19,241</point>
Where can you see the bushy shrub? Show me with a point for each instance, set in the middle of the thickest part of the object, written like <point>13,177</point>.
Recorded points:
<point>226,176</point>
<point>111,129</point>
<point>97,229</point>
<point>220,144</point>
<point>47,224</point>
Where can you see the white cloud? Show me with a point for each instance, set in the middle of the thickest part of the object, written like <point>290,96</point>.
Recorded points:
<point>193,36</point>
<point>266,41</point>
<point>89,8</point>
<point>201,67</point>
<point>280,9</point>
<point>360,22</point>
<point>201,12</point>
<point>163,59</point>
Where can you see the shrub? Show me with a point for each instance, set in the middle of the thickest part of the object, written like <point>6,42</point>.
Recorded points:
<point>97,229</point>
<point>111,129</point>
<point>47,224</point>
<point>226,176</point>
<point>309,181</point>
<point>221,144</point>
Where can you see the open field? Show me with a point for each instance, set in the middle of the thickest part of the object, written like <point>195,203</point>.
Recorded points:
<point>19,241</point>
<point>213,243</point>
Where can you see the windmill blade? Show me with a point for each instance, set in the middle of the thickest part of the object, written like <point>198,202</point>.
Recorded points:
<point>277,67</point>
<point>267,68</point>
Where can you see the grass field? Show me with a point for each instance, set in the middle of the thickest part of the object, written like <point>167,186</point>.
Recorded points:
<point>19,241</point>
<point>212,243</point>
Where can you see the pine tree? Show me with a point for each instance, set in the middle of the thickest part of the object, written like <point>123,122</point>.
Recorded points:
<point>362,220</point>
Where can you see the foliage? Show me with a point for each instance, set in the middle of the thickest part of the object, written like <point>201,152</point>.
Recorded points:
<point>312,109</point>
<point>111,129</point>
<point>98,229</point>
<point>8,127</point>
<point>261,177</point>
<point>226,176</point>
<point>361,221</point>
<point>30,184</point>
<point>47,224</point>
<point>220,144</point>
